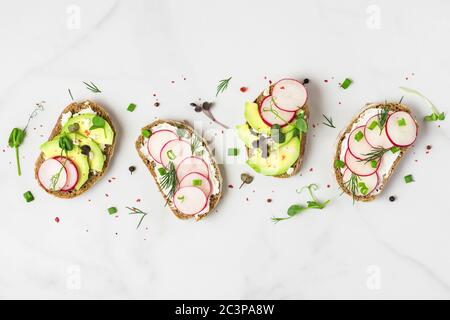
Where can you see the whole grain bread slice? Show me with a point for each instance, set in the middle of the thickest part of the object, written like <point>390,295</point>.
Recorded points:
<point>214,198</point>
<point>108,151</point>
<point>392,106</point>
<point>298,163</point>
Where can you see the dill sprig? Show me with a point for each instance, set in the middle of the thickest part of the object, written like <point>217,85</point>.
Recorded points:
<point>135,210</point>
<point>70,93</point>
<point>92,87</point>
<point>196,143</point>
<point>169,180</point>
<point>352,185</point>
<point>328,121</point>
<point>222,86</point>
<point>374,155</point>
<point>383,116</point>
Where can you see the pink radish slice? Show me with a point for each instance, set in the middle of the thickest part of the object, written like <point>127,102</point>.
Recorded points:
<point>271,114</point>
<point>359,167</point>
<point>359,148</point>
<point>157,140</point>
<point>192,164</point>
<point>72,173</point>
<point>289,95</point>
<point>48,169</point>
<point>371,181</point>
<point>190,200</point>
<point>175,151</point>
<point>196,179</point>
<point>401,129</point>
<point>373,136</point>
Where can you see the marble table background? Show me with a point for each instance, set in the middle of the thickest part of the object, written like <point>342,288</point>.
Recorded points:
<point>179,50</point>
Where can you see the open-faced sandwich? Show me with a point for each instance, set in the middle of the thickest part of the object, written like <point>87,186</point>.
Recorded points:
<point>275,130</point>
<point>78,151</point>
<point>183,168</point>
<point>371,147</point>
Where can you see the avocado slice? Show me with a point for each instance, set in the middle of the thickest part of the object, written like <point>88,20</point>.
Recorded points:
<point>101,135</point>
<point>51,149</point>
<point>246,135</point>
<point>255,121</point>
<point>279,161</point>
<point>96,157</point>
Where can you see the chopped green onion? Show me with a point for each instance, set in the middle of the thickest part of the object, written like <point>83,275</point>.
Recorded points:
<point>395,149</point>
<point>374,163</point>
<point>162,171</point>
<point>112,210</point>
<point>409,178</point>
<point>363,188</point>
<point>346,83</point>
<point>373,125</point>
<point>146,133</point>
<point>181,198</point>
<point>233,151</point>
<point>339,164</point>
<point>131,107</point>
<point>197,182</point>
<point>358,136</point>
<point>401,122</point>
<point>171,155</point>
<point>28,196</point>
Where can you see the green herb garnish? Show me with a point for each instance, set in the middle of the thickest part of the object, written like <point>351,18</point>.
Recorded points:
<point>358,136</point>
<point>339,164</point>
<point>196,143</point>
<point>352,186</point>
<point>169,180</point>
<point>373,125</point>
<point>98,123</point>
<point>171,155</point>
<point>395,149</point>
<point>112,210</point>
<point>223,85</point>
<point>374,163</point>
<point>233,152</point>
<point>435,113</point>
<point>131,107</point>
<point>92,87</point>
<point>137,211</point>
<point>28,196</point>
<point>197,182</point>
<point>409,178</point>
<point>301,123</point>
<point>146,133</point>
<point>70,93</point>
<point>162,171</point>
<point>401,122</point>
<point>328,121</point>
<point>383,116</point>
<point>374,155</point>
<point>181,133</point>
<point>346,83</point>
<point>363,188</point>
<point>296,209</point>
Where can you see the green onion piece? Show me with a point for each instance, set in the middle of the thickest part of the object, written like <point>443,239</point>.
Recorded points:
<point>346,83</point>
<point>374,163</point>
<point>373,125</point>
<point>181,198</point>
<point>131,107</point>
<point>28,196</point>
<point>339,164</point>
<point>146,133</point>
<point>395,149</point>
<point>112,210</point>
<point>358,136</point>
<point>441,116</point>
<point>197,182</point>
<point>363,188</point>
<point>171,155</point>
<point>233,151</point>
<point>162,171</point>
<point>401,122</point>
<point>409,178</point>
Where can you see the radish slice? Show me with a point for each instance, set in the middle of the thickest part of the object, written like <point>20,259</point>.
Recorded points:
<point>157,140</point>
<point>190,200</point>
<point>289,94</point>
<point>401,129</point>
<point>196,179</point>
<point>48,170</point>
<point>72,173</point>
<point>359,167</point>
<point>357,144</point>
<point>271,114</point>
<point>192,164</point>
<point>371,181</point>
<point>175,151</point>
<point>375,137</point>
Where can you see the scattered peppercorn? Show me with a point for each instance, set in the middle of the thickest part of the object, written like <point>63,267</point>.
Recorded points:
<point>305,81</point>
<point>429,147</point>
<point>85,150</point>
<point>156,104</point>
<point>132,169</point>
<point>269,200</point>
<point>391,198</point>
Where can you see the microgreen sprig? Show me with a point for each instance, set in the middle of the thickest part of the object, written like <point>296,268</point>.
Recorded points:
<point>296,209</point>
<point>205,107</point>
<point>223,85</point>
<point>435,113</point>
<point>135,210</point>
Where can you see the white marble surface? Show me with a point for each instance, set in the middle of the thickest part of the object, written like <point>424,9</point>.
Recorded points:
<point>133,49</point>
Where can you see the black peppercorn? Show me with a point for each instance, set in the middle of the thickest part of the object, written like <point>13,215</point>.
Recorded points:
<point>305,81</point>
<point>392,198</point>
<point>85,150</point>
<point>156,104</point>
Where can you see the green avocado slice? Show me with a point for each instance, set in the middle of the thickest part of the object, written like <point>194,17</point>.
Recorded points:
<point>101,135</point>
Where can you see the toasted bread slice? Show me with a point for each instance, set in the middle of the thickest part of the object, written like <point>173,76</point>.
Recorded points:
<point>298,164</point>
<point>76,107</point>
<point>151,165</point>
<point>383,180</point>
